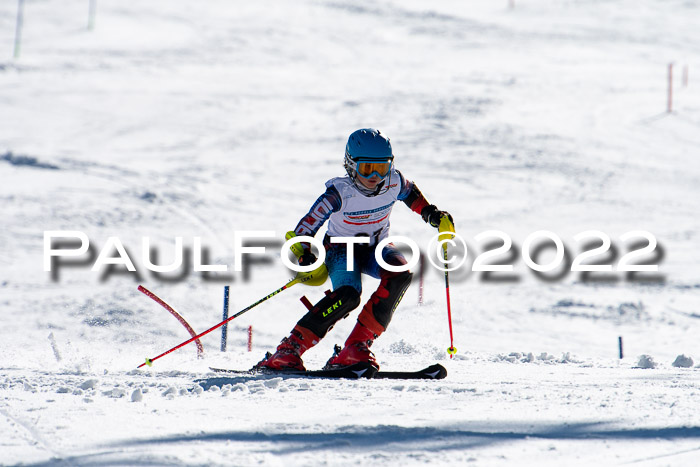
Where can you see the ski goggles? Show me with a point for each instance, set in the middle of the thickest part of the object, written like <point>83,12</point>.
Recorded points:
<point>368,169</point>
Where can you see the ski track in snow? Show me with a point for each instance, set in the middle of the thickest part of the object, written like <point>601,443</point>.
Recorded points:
<point>174,118</point>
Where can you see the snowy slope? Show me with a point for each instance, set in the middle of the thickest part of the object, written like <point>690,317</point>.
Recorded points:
<point>182,118</point>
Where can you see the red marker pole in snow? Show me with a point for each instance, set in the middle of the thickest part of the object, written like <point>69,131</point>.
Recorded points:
<point>421,280</point>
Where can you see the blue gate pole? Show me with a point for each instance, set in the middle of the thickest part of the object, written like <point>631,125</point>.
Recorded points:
<point>224,328</point>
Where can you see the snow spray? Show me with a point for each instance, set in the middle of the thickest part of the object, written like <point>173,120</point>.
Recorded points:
<point>52,340</point>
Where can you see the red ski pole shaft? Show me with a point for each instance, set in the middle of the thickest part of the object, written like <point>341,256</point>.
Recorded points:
<point>451,350</point>
<point>149,361</point>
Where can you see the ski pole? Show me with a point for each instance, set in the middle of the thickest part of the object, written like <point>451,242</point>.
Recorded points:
<point>447,226</point>
<point>298,279</point>
<point>451,349</point>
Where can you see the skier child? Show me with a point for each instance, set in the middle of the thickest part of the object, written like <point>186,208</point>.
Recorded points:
<point>358,204</point>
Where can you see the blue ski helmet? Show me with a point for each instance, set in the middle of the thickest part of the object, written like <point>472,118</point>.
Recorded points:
<point>368,153</point>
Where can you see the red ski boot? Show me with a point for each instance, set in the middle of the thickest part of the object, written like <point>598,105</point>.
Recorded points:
<point>288,353</point>
<point>356,349</point>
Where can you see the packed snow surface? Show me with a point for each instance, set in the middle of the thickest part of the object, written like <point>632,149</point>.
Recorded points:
<point>199,120</point>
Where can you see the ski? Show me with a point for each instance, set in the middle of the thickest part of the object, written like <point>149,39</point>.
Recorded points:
<point>436,371</point>
<point>356,371</point>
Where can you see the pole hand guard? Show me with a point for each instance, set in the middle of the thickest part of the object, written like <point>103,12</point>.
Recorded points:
<point>313,278</point>
<point>447,226</point>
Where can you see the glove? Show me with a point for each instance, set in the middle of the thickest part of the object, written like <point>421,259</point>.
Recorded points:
<point>433,216</point>
<point>316,277</point>
<point>307,258</point>
<point>442,220</point>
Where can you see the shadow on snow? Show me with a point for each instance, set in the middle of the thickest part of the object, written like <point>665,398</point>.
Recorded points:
<point>388,438</point>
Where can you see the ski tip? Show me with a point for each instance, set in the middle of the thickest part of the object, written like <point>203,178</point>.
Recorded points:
<point>436,371</point>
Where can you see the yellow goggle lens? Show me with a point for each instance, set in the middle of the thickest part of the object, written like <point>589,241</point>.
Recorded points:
<point>366,169</point>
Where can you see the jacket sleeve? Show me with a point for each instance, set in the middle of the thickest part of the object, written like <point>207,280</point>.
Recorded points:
<point>326,204</point>
<point>412,196</point>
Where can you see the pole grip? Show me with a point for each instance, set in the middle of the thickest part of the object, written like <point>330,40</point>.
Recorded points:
<point>296,248</point>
